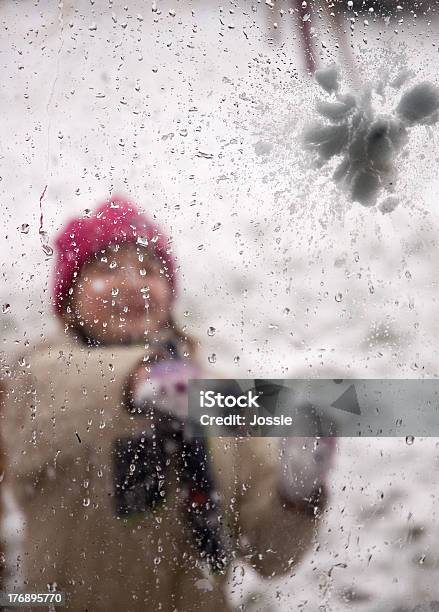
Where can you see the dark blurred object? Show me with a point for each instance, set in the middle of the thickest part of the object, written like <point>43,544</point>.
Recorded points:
<point>336,16</point>
<point>389,7</point>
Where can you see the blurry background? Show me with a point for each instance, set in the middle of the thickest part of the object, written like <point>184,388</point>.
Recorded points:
<point>196,110</point>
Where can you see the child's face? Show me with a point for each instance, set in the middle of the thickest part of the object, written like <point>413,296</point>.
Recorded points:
<point>121,294</point>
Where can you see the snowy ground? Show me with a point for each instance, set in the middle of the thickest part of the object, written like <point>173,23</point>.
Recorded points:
<point>198,116</point>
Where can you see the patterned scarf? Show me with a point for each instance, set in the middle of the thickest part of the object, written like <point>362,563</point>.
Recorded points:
<point>141,463</point>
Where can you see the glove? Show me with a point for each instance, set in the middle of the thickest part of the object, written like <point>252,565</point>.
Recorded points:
<point>306,464</point>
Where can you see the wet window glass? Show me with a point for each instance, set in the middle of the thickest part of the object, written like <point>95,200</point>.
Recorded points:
<point>231,192</point>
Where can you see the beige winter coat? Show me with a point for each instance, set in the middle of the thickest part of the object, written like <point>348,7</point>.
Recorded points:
<point>2,514</point>
<point>64,407</point>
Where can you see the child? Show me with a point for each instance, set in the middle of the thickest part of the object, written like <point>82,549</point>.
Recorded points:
<point>124,511</point>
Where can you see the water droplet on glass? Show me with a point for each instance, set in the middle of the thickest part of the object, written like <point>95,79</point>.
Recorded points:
<point>216,226</point>
<point>409,440</point>
<point>338,297</point>
<point>6,308</point>
<point>114,291</point>
<point>211,331</point>
<point>86,502</point>
<point>212,358</point>
<point>142,240</point>
<point>47,250</point>
<point>24,229</point>
<point>143,272</point>
<point>204,155</point>
<point>113,264</point>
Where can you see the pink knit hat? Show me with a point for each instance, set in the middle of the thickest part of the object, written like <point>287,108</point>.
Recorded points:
<point>115,221</point>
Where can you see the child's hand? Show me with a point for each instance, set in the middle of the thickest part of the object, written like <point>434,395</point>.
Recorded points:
<point>306,463</point>
<point>163,389</point>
